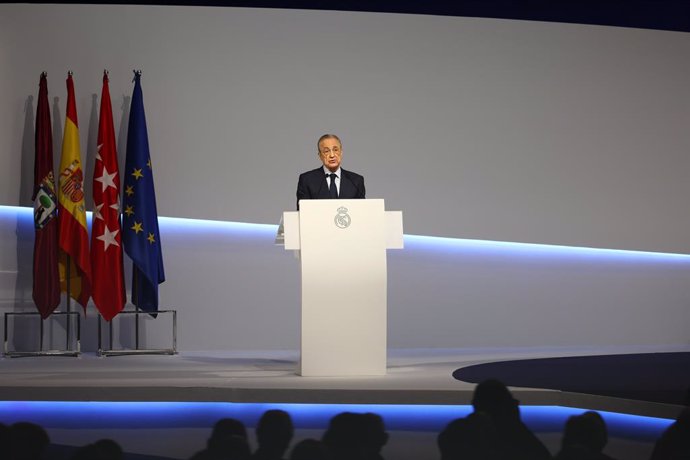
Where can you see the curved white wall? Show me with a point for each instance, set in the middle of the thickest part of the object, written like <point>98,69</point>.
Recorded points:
<point>475,128</point>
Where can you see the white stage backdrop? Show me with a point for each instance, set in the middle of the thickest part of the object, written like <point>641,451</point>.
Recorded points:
<point>475,128</point>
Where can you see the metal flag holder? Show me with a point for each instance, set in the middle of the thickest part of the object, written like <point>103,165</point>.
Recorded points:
<point>69,315</point>
<point>137,350</point>
<point>53,352</point>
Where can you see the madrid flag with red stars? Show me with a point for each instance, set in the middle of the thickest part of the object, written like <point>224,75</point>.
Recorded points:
<point>107,272</point>
<point>74,264</point>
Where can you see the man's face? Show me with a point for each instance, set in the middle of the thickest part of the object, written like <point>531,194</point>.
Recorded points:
<point>330,153</point>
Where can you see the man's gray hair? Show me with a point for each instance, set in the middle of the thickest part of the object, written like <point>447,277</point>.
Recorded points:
<point>327,136</point>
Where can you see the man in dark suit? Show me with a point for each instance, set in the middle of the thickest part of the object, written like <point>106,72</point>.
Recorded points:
<point>329,181</point>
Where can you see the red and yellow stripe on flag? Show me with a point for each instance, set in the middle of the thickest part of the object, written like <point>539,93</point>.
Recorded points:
<point>74,262</point>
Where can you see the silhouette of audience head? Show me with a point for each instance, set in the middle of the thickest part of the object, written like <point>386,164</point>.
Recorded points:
<point>513,438</point>
<point>228,427</point>
<point>472,437</point>
<point>109,449</point>
<point>310,449</point>
<point>229,439</point>
<point>674,443</point>
<point>27,441</point>
<point>355,436</point>
<point>493,397</point>
<point>273,434</point>
<point>374,435</point>
<point>344,436</point>
<point>584,438</point>
<point>4,437</point>
<point>584,435</point>
<point>105,449</point>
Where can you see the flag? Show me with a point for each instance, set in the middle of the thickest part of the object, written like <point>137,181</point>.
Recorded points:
<point>74,263</point>
<point>107,273</point>
<point>140,219</point>
<point>46,284</point>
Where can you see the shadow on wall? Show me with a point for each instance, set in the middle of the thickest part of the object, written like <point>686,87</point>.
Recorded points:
<point>24,229</point>
<point>89,156</point>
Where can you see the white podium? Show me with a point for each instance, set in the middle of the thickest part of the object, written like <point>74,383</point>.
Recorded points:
<point>342,246</point>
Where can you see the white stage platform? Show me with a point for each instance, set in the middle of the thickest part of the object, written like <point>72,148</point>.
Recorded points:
<point>415,376</point>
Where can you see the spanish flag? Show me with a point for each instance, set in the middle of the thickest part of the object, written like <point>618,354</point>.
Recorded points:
<point>74,263</point>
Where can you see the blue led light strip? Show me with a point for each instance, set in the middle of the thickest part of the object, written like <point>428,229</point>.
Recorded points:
<point>421,418</point>
<point>413,242</point>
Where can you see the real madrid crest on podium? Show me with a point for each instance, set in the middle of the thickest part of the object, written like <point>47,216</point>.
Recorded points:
<point>342,219</point>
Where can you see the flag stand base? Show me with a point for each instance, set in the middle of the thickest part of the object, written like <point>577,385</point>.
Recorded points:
<point>111,351</point>
<point>67,351</point>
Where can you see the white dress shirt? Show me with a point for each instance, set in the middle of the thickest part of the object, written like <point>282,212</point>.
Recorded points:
<point>338,174</point>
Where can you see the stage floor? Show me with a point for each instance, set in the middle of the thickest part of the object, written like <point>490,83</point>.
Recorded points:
<point>415,376</point>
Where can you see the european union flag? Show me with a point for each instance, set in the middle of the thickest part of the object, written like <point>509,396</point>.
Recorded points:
<point>139,215</point>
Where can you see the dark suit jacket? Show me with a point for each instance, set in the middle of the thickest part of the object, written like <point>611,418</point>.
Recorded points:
<point>312,185</point>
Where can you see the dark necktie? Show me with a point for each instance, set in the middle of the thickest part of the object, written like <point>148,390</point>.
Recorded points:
<point>333,189</point>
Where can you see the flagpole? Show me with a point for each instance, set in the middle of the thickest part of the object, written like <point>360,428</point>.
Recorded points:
<point>69,279</point>
<point>137,73</point>
<point>139,199</point>
<point>135,291</point>
<point>137,328</point>
<point>69,301</point>
<point>73,227</point>
<point>44,75</point>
